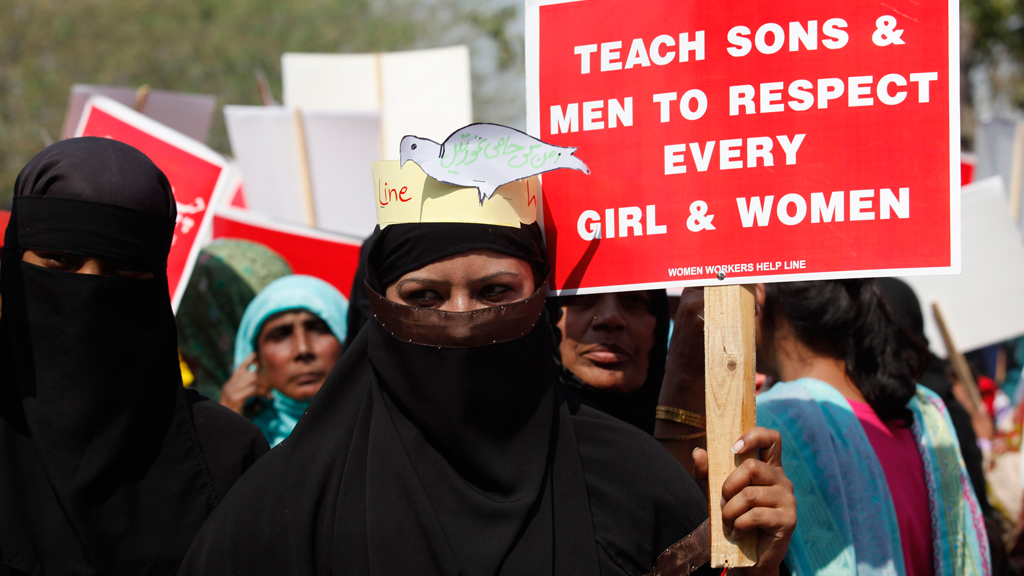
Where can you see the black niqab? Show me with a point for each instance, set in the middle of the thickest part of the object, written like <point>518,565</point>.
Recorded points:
<point>638,407</point>
<point>414,459</point>
<point>101,471</point>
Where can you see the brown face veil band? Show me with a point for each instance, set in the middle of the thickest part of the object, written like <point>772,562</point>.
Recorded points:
<point>441,329</point>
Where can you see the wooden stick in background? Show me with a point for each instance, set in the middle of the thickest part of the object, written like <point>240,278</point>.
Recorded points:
<point>263,87</point>
<point>379,67</point>
<point>141,95</point>
<point>1017,171</point>
<point>729,392</point>
<point>956,358</point>
<point>306,191</point>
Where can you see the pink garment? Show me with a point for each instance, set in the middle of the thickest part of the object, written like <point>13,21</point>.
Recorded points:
<point>904,473</point>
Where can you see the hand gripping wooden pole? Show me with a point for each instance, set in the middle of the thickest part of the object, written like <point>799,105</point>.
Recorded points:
<point>729,392</point>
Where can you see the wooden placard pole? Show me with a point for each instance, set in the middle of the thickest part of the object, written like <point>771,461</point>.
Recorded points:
<point>1017,171</point>
<point>141,96</point>
<point>956,358</point>
<point>307,186</point>
<point>263,87</point>
<point>729,393</point>
<point>379,67</point>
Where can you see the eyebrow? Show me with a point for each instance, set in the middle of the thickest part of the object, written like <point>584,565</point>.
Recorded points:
<point>434,282</point>
<point>496,275</point>
<point>428,281</point>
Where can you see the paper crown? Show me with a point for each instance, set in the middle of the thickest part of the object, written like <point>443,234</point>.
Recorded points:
<point>406,195</point>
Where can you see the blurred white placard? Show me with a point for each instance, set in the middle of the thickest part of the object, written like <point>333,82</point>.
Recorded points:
<point>190,114</point>
<point>425,93</point>
<point>983,304</point>
<point>999,147</point>
<point>338,148</point>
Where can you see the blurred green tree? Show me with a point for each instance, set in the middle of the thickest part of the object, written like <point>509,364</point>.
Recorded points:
<point>206,46</point>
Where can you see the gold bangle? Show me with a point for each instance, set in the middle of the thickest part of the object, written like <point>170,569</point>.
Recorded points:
<point>679,416</point>
<point>683,437</point>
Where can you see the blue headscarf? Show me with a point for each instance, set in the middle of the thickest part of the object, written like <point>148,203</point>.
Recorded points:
<point>295,292</point>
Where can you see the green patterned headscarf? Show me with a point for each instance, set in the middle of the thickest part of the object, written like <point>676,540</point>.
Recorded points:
<point>227,276</point>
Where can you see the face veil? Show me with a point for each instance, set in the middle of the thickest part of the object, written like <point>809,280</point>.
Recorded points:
<point>423,449</point>
<point>100,469</point>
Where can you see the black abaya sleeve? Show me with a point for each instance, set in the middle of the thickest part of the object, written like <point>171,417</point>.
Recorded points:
<point>230,443</point>
<point>660,505</point>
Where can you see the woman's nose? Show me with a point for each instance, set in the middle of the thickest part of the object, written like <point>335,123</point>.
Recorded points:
<point>608,313</point>
<point>303,345</point>
<point>92,267</point>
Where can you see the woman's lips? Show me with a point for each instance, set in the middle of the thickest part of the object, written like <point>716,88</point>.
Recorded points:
<point>602,354</point>
<point>310,378</point>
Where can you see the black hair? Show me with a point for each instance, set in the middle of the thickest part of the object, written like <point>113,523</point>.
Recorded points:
<point>851,320</point>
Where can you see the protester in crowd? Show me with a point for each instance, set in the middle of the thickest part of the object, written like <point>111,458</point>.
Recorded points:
<point>611,351</point>
<point>440,446</point>
<point>880,482</point>
<point>228,274</point>
<point>907,308</point>
<point>289,339</point>
<point>107,464</point>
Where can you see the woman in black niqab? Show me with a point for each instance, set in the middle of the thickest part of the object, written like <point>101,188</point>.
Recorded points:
<point>102,467</point>
<point>439,446</point>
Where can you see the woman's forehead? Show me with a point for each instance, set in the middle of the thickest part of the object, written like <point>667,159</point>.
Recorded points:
<point>469,266</point>
<point>645,295</point>
<point>289,316</point>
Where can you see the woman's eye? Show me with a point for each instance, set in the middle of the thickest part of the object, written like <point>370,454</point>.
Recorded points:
<point>424,297</point>
<point>319,326</point>
<point>635,302</point>
<point>57,260</point>
<point>279,334</point>
<point>582,301</point>
<point>494,291</point>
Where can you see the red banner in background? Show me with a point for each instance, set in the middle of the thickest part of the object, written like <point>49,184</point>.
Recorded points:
<point>330,257</point>
<point>764,141</point>
<point>197,175</point>
<point>5,217</point>
<point>967,165</point>
<point>238,199</point>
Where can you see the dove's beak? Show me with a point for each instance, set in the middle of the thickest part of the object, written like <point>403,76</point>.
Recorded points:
<point>402,163</point>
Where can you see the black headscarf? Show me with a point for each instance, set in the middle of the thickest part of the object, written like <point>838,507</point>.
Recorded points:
<point>100,467</point>
<point>451,458</point>
<point>638,407</point>
<point>358,299</point>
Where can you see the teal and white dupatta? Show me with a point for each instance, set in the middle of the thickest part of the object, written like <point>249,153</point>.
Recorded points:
<point>846,522</point>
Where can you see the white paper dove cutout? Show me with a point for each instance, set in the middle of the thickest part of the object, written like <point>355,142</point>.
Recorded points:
<point>486,156</point>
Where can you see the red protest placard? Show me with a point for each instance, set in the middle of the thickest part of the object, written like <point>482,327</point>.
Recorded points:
<point>197,174</point>
<point>330,257</point>
<point>768,141</point>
